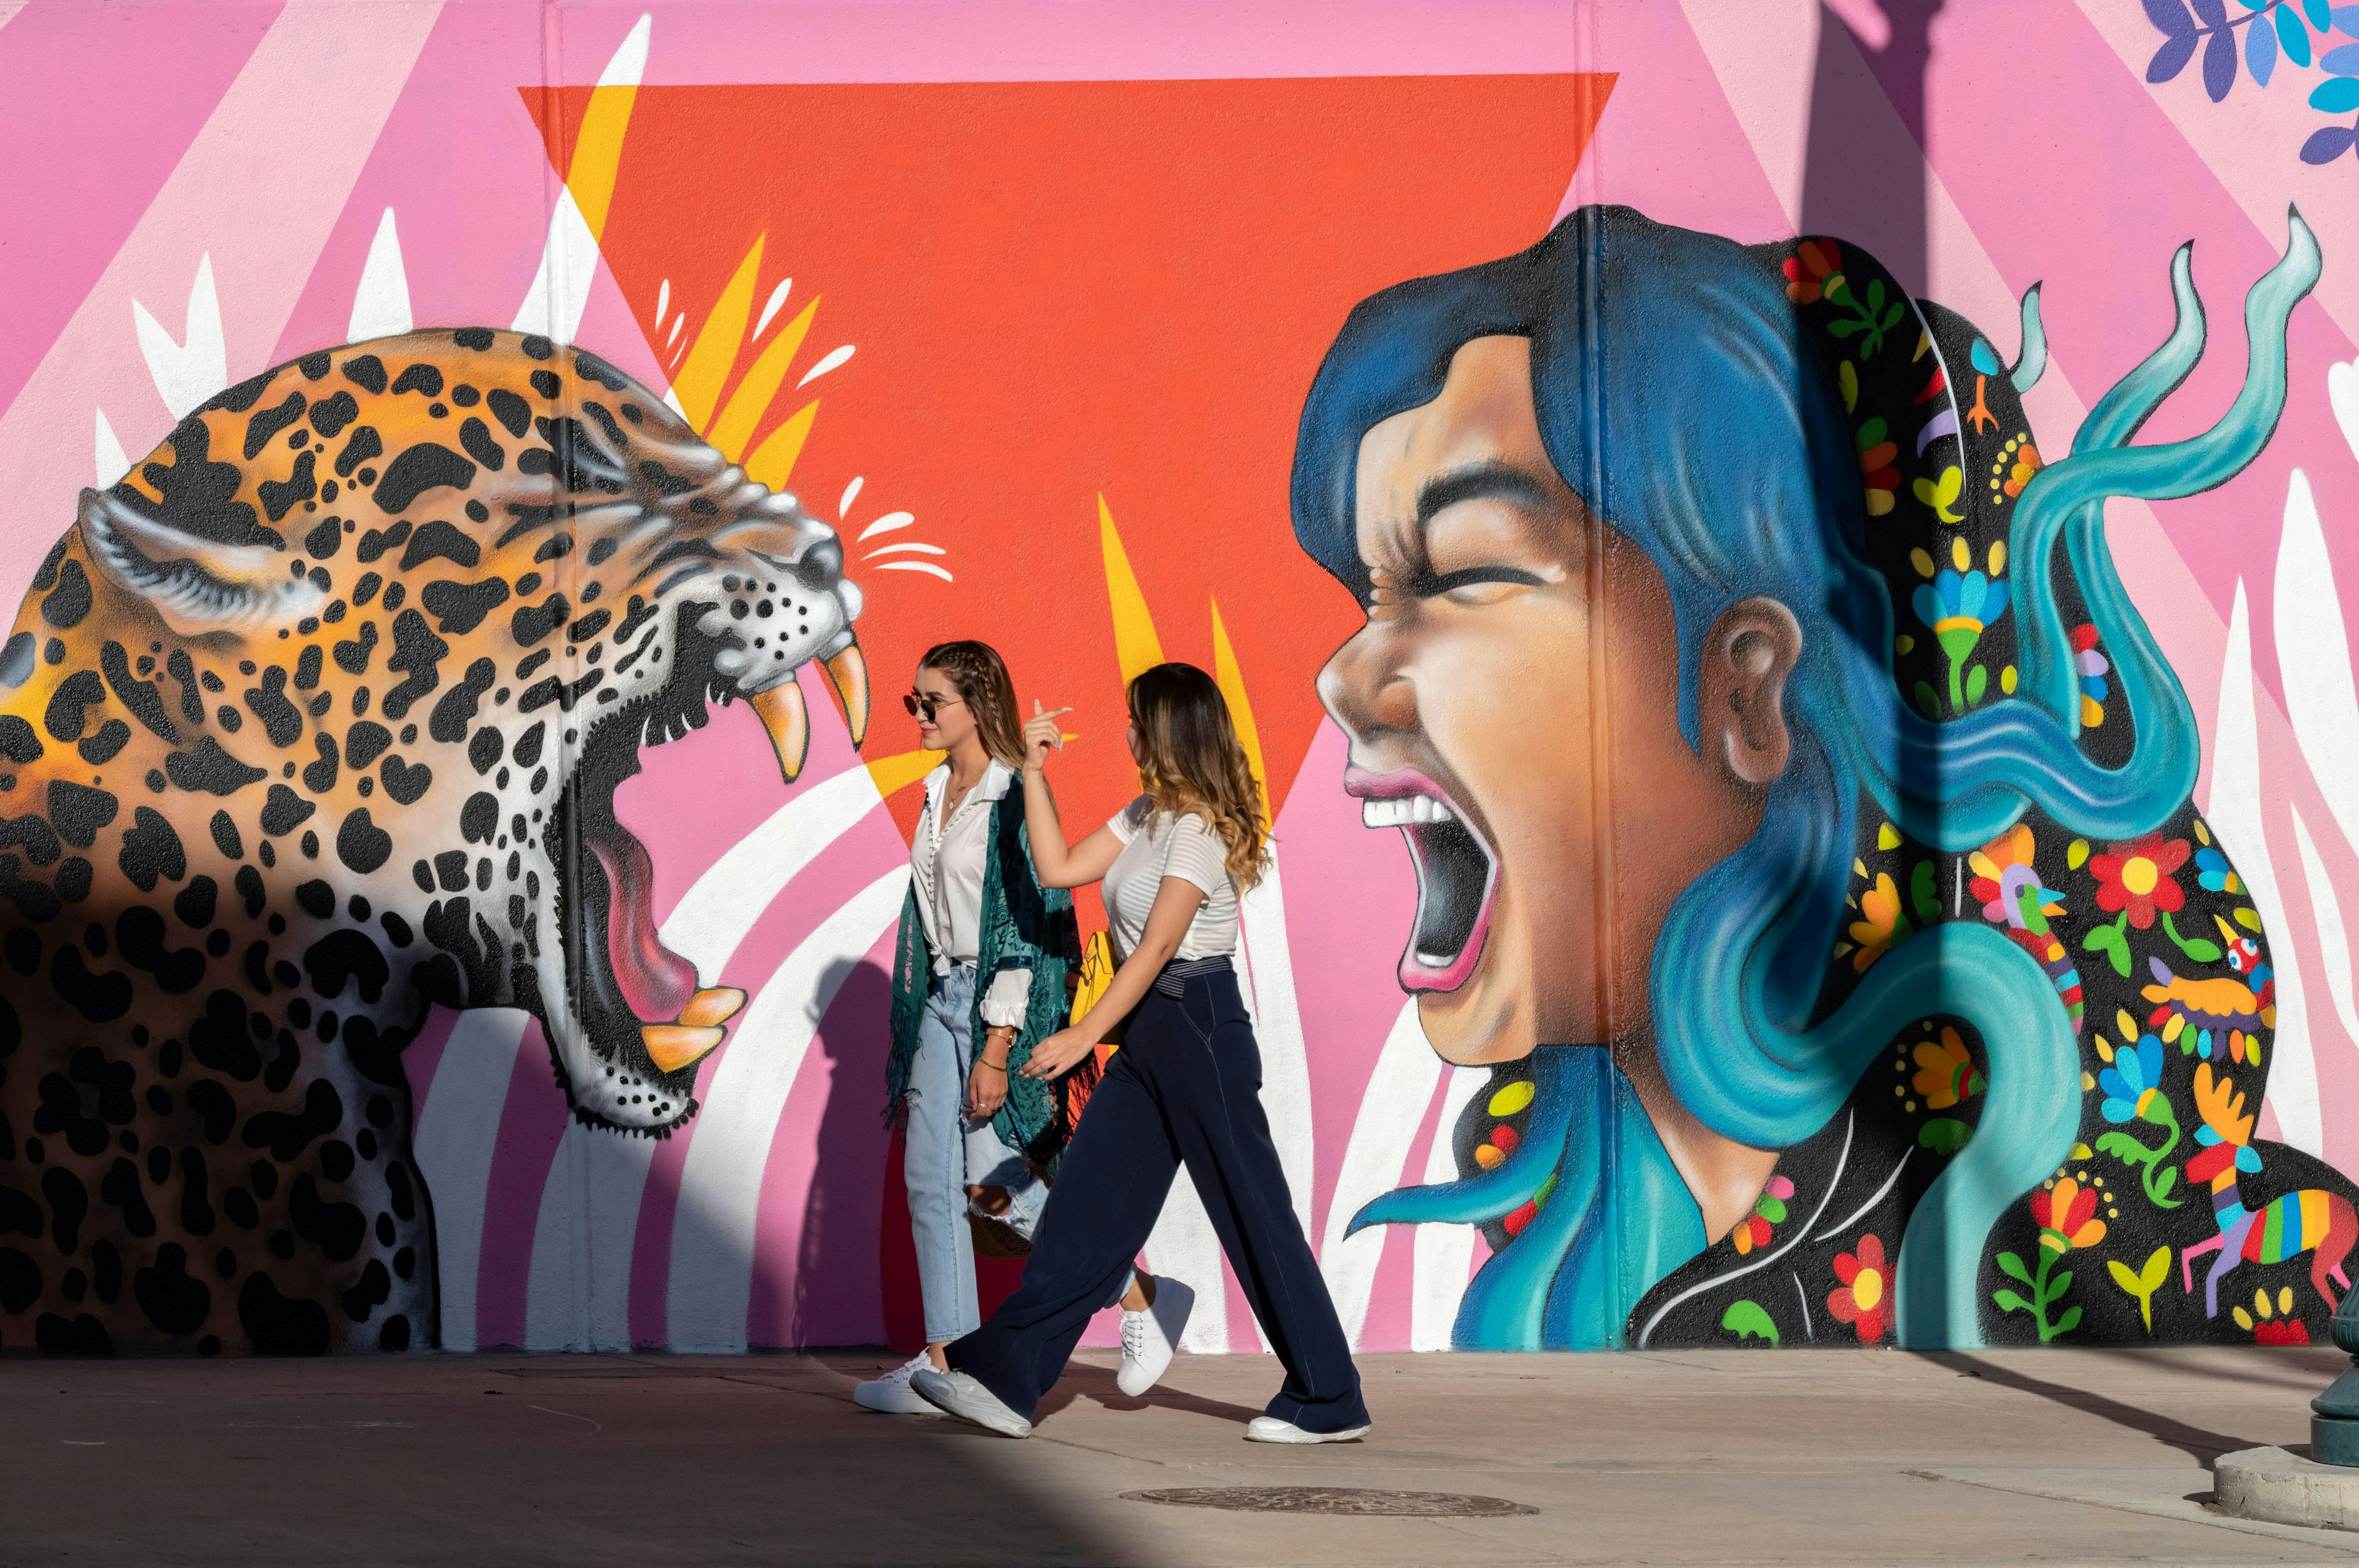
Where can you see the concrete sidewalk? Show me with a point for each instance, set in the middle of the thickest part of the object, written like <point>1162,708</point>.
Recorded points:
<point>1704,1457</point>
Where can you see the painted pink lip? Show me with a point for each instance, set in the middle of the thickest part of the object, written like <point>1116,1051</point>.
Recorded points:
<point>1416,973</point>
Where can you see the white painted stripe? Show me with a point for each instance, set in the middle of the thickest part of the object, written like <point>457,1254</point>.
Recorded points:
<point>720,1184</point>
<point>2235,813</point>
<point>569,259</point>
<point>1268,959</point>
<point>452,1146</point>
<point>2333,937</point>
<point>381,301</point>
<point>578,1296</point>
<point>1444,1254</point>
<point>1182,1247</point>
<point>1392,1106</point>
<point>2314,656</point>
<point>578,1293</point>
<point>716,912</point>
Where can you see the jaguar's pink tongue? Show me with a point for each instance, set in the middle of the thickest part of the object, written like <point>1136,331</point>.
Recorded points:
<point>656,982</point>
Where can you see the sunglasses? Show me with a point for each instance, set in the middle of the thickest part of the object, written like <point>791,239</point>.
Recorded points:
<point>921,706</point>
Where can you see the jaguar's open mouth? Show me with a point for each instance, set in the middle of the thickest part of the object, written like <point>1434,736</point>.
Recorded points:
<point>1457,874</point>
<point>645,1015</point>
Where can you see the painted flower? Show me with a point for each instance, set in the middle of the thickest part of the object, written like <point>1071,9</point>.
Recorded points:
<point>2272,1322</point>
<point>1958,606</point>
<point>1753,1229</point>
<point>1814,268</point>
<point>2133,1082</point>
<point>1878,478</point>
<point>1945,1071</point>
<point>1990,865</point>
<point>2067,1216</point>
<point>2020,463</point>
<point>2213,871</point>
<point>1865,1299</point>
<point>1883,927</point>
<point>2138,877</point>
<point>2091,666</point>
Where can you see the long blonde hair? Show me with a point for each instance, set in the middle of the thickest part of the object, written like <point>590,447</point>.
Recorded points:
<point>1194,764</point>
<point>979,675</point>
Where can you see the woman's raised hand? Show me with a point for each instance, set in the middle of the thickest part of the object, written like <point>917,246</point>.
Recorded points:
<point>1042,735</point>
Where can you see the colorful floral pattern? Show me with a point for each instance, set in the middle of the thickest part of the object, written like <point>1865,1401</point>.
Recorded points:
<point>1946,1073</point>
<point>2136,878</point>
<point>1865,1298</point>
<point>1769,1210</point>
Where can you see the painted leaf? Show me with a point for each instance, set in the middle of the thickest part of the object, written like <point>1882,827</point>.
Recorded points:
<point>2319,12</point>
<point>2326,146</point>
<point>2011,1265</point>
<point>2213,14</point>
<point>2124,1277</point>
<point>1977,682</point>
<point>1770,1209</point>
<point>2292,34</point>
<point>2068,1323</point>
<point>2338,97</point>
<point>2220,64</point>
<point>2162,1185</point>
<point>1747,1320</point>
<point>2009,1301</point>
<point>2342,60</point>
<point>1925,893</point>
<point>2172,16</point>
<point>2157,1269</point>
<point>2261,53</point>
<point>1945,1135</point>
<point>2346,20</point>
<point>2057,1284</point>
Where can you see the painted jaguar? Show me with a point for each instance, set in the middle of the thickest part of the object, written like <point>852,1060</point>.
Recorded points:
<point>313,722</point>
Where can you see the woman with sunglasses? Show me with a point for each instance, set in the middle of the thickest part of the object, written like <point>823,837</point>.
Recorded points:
<point>1183,1090</point>
<point>978,980</point>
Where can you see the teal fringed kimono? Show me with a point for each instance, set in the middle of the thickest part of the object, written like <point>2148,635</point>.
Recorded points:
<point>1025,926</point>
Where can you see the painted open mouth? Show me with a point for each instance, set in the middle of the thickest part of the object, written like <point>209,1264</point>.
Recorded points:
<point>640,1004</point>
<point>1457,874</point>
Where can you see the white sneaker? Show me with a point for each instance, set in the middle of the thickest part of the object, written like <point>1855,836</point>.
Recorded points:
<point>1149,1337</point>
<point>955,1393</point>
<point>1269,1429</point>
<point>891,1393</point>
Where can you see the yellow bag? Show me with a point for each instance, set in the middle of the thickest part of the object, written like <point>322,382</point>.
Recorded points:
<point>1096,974</point>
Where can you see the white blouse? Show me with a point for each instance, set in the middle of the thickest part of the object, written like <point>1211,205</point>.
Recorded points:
<point>947,864</point>
<point>1155,846</point>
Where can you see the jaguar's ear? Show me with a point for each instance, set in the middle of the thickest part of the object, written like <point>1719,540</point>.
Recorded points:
<point>198,586</point>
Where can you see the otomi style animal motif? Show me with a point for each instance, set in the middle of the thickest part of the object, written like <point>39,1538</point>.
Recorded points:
<point>2312,1220</point>
<point>312,721</point>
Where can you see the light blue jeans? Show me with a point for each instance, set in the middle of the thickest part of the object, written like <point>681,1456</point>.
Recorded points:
<point>946,1152</point>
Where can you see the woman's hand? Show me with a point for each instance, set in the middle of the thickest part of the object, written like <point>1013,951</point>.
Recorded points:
<point>1059,1053</point>
<point>1041,736</point>
<point>986,1089</point>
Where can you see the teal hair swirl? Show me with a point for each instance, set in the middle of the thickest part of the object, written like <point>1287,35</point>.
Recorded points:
<point>1677,395</point>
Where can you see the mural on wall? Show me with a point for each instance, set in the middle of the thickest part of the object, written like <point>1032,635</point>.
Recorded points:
<point>366,648</point>
<point>1850,654</point>
<point>1699,618</point>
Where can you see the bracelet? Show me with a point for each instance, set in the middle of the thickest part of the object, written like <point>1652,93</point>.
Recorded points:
<point>999,1067</point>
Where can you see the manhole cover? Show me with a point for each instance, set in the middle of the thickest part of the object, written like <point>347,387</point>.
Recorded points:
<point>1331,1501</point>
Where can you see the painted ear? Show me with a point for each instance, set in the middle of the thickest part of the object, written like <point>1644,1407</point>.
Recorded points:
<point>198,586</point>
<point>1747,658</point>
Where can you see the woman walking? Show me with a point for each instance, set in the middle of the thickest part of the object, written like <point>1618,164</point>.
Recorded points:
<point>1184,1087</point>
<point>978,981</point>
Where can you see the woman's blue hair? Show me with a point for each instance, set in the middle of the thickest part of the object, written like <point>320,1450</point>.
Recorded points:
<point>1679,397</point>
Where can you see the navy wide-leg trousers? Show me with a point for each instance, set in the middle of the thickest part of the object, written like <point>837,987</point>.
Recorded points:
<point>1183,1090</point>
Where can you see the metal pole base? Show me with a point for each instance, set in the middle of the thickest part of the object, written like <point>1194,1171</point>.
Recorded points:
<point>2335,1440</point>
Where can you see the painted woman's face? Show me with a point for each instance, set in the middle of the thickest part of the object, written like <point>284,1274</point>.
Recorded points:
<point>1513,710</point>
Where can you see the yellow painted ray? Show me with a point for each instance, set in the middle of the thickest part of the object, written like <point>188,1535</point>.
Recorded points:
<point>598,146</point>
<point>742,412</point>
<point>1231,680</point>
<point>894,774</point>
<point>1135,645</point>
<point>774,459</point>
<point>714,353</point>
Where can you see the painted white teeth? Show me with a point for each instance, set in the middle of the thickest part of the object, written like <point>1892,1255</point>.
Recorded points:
<point>1403,811</point>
